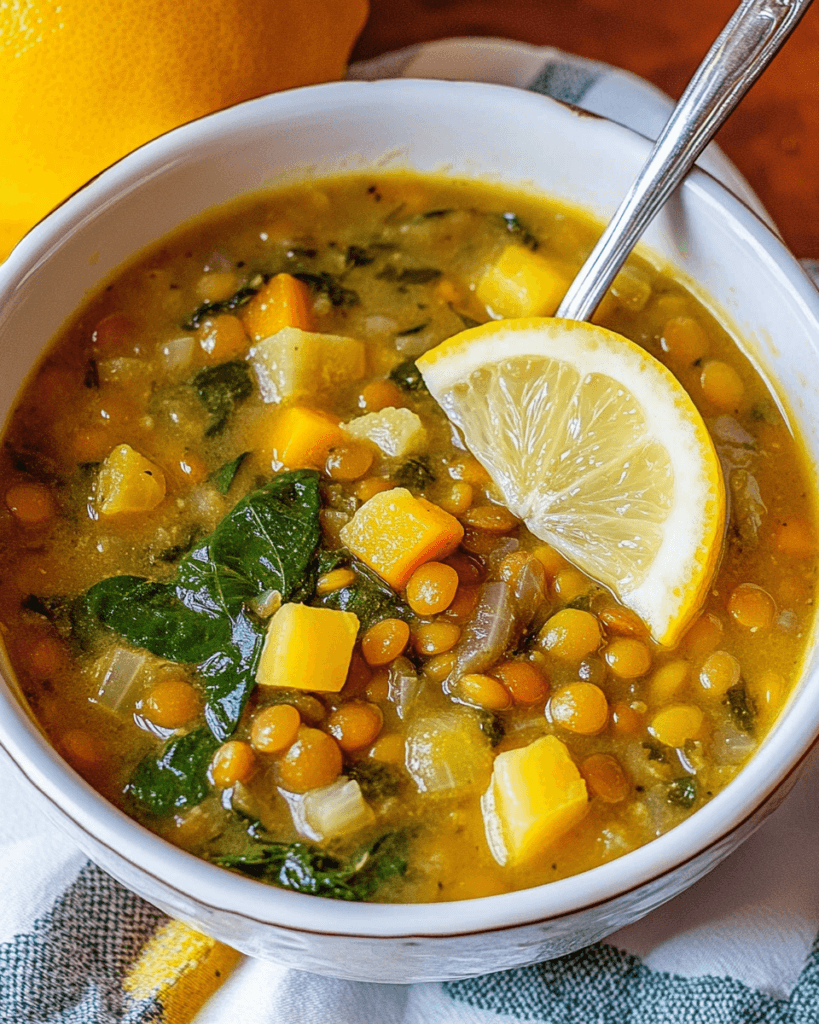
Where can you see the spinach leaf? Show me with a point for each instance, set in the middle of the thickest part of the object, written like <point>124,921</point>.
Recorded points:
<point>377,780</point>
<point>327,284</point>
<point>412,330</point>
<point>167,620</point>
<point>491,726</point>
<point>177,777</point>
<point>329,560</point>
<point>415,474</point>
<point>224,476</point>
<point>515,226</point>
<point>266,542</point>
<point>682,792</point>
<point>307,869</point>
<point>368,597</point>
<point>221,388</point>
<point>358,256</point>
<point>207,309</point>
<point>418,275</point>
<point>68,616</point>
<point>741,707</point>
<point>407,376</point>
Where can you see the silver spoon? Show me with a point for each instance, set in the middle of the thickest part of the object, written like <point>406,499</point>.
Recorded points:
<point>740,54</point>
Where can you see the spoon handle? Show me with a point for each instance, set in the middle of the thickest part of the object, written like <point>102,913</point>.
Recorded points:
<point>740,54</point>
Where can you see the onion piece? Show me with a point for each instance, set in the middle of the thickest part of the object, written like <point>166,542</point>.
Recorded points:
<point>331,811</point>
<point>120,673</point>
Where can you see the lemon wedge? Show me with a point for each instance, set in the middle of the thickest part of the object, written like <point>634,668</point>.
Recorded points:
<point>596,446</point>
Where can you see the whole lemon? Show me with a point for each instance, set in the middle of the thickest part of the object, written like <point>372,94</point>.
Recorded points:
<point>86,81</point>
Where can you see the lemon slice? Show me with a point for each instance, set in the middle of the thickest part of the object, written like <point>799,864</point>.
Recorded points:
<point>595,445</point>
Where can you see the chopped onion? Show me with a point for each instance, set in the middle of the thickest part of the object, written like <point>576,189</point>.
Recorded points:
<point>404,685</point>
<point>177,353</point>
<point>120,672</point>
<point>448,751</point>
<point>731,745</point>
<point>335,810</point>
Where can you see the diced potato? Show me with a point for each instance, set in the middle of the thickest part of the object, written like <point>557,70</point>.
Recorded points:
<point>394,533</point>
<point>536,795</point>
<point>300,438</point>
<point>337,810</point>
<point>448,751</point>
<point>522,283</point>
<point>293,362</point>
<point>396,432</point>
<point>632,288</point>
<point>283,302</point>
<point>308,648</point>
<point>128,482</point>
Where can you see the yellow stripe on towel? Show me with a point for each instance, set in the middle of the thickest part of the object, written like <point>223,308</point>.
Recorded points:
<point>181,968</point>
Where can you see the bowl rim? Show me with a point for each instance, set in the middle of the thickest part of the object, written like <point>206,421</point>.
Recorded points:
<point>221,890</point>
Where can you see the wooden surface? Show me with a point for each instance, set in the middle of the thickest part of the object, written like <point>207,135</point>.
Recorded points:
<point>772,137</point>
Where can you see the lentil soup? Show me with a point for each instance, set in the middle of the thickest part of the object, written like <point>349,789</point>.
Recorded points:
<point>214,634</point>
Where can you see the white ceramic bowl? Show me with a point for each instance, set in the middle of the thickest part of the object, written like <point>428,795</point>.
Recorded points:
<point>484,131</point>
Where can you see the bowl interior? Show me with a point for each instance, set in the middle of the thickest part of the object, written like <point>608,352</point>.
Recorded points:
<point>461,130</point>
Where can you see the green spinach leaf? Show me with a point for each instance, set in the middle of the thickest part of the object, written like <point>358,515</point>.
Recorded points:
<point>407,376</point>
<point>220,389</point>
<point>515,226</point>
<point>224,476</point>
<point>368,597</point>
<point>266,542</point>
<point>327,284</point>
<point>308,869</point>
<point>229,305</point>
<point>177,777</point>
<point>415,474</point>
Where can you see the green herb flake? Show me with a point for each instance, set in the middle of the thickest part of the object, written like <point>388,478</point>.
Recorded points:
<point>407,376</point>
<point>682,792</point>
<point>741,707</point>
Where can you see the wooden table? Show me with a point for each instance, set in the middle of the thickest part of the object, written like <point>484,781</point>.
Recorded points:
<point>773,137</point>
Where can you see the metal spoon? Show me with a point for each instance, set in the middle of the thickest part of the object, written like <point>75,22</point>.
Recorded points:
<point>740,54</point>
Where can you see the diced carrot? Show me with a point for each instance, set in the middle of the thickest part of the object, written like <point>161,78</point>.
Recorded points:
<point>283,302</point>
<point>302,438</point>
<point>395,532</point>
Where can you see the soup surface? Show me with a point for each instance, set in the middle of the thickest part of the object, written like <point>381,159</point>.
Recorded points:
<point>349,703</point>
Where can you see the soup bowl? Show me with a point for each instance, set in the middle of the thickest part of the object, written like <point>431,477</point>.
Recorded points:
<point>489,133</point>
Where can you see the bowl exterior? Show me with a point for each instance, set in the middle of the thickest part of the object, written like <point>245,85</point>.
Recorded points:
<point>462,130</point>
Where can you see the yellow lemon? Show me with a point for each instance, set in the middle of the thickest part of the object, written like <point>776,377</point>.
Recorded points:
<point>597,447</point>
<point>86,81</point>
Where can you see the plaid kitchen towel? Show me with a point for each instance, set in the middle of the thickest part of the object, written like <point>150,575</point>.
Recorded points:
<point>739,947</point>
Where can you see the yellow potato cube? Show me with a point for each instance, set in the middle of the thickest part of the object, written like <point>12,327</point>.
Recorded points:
<point>535,796</point>
<point>294,362</point>
<point>393,533</point>
<point>298,438</point>
<point>308,648</point>
<point>397,432</point>
<point>522,283</point>
<point>128,482</point>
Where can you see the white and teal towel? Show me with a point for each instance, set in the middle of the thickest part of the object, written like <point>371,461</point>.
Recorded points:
<point>740,947</point>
